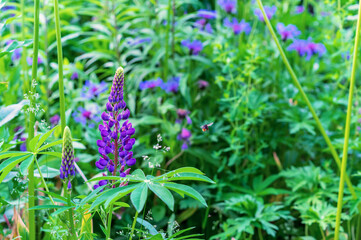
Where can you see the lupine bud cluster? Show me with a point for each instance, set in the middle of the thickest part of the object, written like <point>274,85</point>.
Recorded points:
<point>67,169</point>
<point>116,140</point>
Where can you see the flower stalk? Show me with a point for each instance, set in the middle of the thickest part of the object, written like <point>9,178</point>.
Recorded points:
<point>60,65</point>
<point>304,96</point>
<point>34,71</point>
<point>347,128</point>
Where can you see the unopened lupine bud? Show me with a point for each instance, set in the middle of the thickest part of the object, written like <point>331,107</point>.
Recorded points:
<point>67,169</point>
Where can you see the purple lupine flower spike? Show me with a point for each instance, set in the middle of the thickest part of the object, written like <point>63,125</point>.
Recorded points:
<point>67,169</point>
<point>116,140</point>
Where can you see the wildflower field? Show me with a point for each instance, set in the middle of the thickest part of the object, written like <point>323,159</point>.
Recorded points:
<point>180,119</point>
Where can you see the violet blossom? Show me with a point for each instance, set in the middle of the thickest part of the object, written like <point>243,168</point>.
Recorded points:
<point>287,32</point>
<point>238,27</point>
<point>307,47</point>
<point>87,117</point>
<point>202,84</point>
<point>116,140</point>
<point>74,76</point>
<point>183,114</point>
<point>230,6</point>
<point>151,84</point>
<point>29,60</point>
<point>194,47</point>
<point>54,120</point>
<point>299,9</point>
<point>67,169</point>
<point>92,90</point>
<point>207,14</point>
<point>270,12</point>
<point>172,85</point>
<point>184,136</point>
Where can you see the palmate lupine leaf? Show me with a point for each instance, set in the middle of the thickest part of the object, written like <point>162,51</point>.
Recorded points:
<point>139,196</point>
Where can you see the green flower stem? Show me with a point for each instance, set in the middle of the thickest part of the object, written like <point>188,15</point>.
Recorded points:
<point>347,127</point>
<point>60,65</point>
<point>43,180</point>
<point>67,195</point>
<point>31,188</point>
<point>133,225</point>
<point>166,56</point>
<point>110,216</point>
<point>303,94</point>
<point>23,54</point>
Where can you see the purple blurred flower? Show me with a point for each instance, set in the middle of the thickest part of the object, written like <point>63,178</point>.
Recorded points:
<point>74,76</point>
<point>150,84</point>
<point>138,40</point>
<point>346,56</point>
<point>207,14</point>
<point>29,60</point>
<point>287,32</point>
<point>270,11</point>
<point>172,85</point>
<point>307,47</point>
<point>7,8</point>
<point>116,140</point>
<point>16,53</point>
<point>92,90</point>
<point>23,145</point>
<point>194,47</point>
<point>238,28</point>
<point>228,5</point>
<point>87,117</point>
<point>202,84</point>
<point>204,26</point>
<point>183,114</point>
<point>299,9</point>
<point>184,136</point>
<point>54,120</point>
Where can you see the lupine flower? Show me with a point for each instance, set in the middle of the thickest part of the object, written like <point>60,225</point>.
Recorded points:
<point>172,85</point>
<point>270,11</point>
<point>138,40</point>
<point>207,14</point>
<point>67,169</point>
<point>287,32</point>
<point>92,90</point>
<point>74,76</point>
<point>299,9</point>
<point>238,28</point>
<point>54,120</point>
<point>150,84</point>
<point>116,138</point>
<point>87,117</point>
<point>183,114</point>
<point>307,47</point>
<point>29,60</point>
<point>184,136</point>
<point>202,84</point>
<point>228,5</point>
<point>194,47</point>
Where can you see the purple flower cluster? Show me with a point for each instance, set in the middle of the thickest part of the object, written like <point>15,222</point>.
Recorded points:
<point>270,12</point>
<point>54,120</point>
<point>194,47</point>
<point>299,9</point>
<point>202,84</point>
<point>116,138</point>
<point>92,90</point>
<point>228,5</point>
<point>67,169</point>
<point>207,14</point>
<point>19,134</point>
<point>238,27</point>
<point>171,86</point>
<point>287,32</point>
<point>184,136</point>
<point>16,53</point>
<point>307,48</point>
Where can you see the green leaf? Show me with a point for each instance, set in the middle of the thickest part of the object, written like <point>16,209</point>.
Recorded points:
<point>139,196</point>
<point>125,190</point>
<point>186,190</point>
<point>45,136</point>
<point>163,193</point>
<point>148,226</point>
<point>33,143</point>
<point>53,195</point>
<point>180,170</point>
<point>60,210</point>
<point>9,164</point>
<point>9,112</point>
<point>57,142</point>
<point>26,164</point>
<point>187,176</point>
<point>55,154</point>
<point>12,154</point>
<point>40,207</point>
<point>14,45</point>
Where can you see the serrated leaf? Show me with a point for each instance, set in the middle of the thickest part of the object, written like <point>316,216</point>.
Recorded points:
<point>139,196</point>
<point>164,194</point>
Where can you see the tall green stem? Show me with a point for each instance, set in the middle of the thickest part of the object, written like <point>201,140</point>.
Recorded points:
<point>304,96</point>
<point>109,227</point>
<point>67,194</point>
<point>133,225</point>
<point>32,229</point>
<point>165,73</point>
<point>60,65</point>
<point>347,128</point>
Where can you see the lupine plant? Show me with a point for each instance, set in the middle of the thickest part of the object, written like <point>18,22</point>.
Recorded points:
<point>277,80</point>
